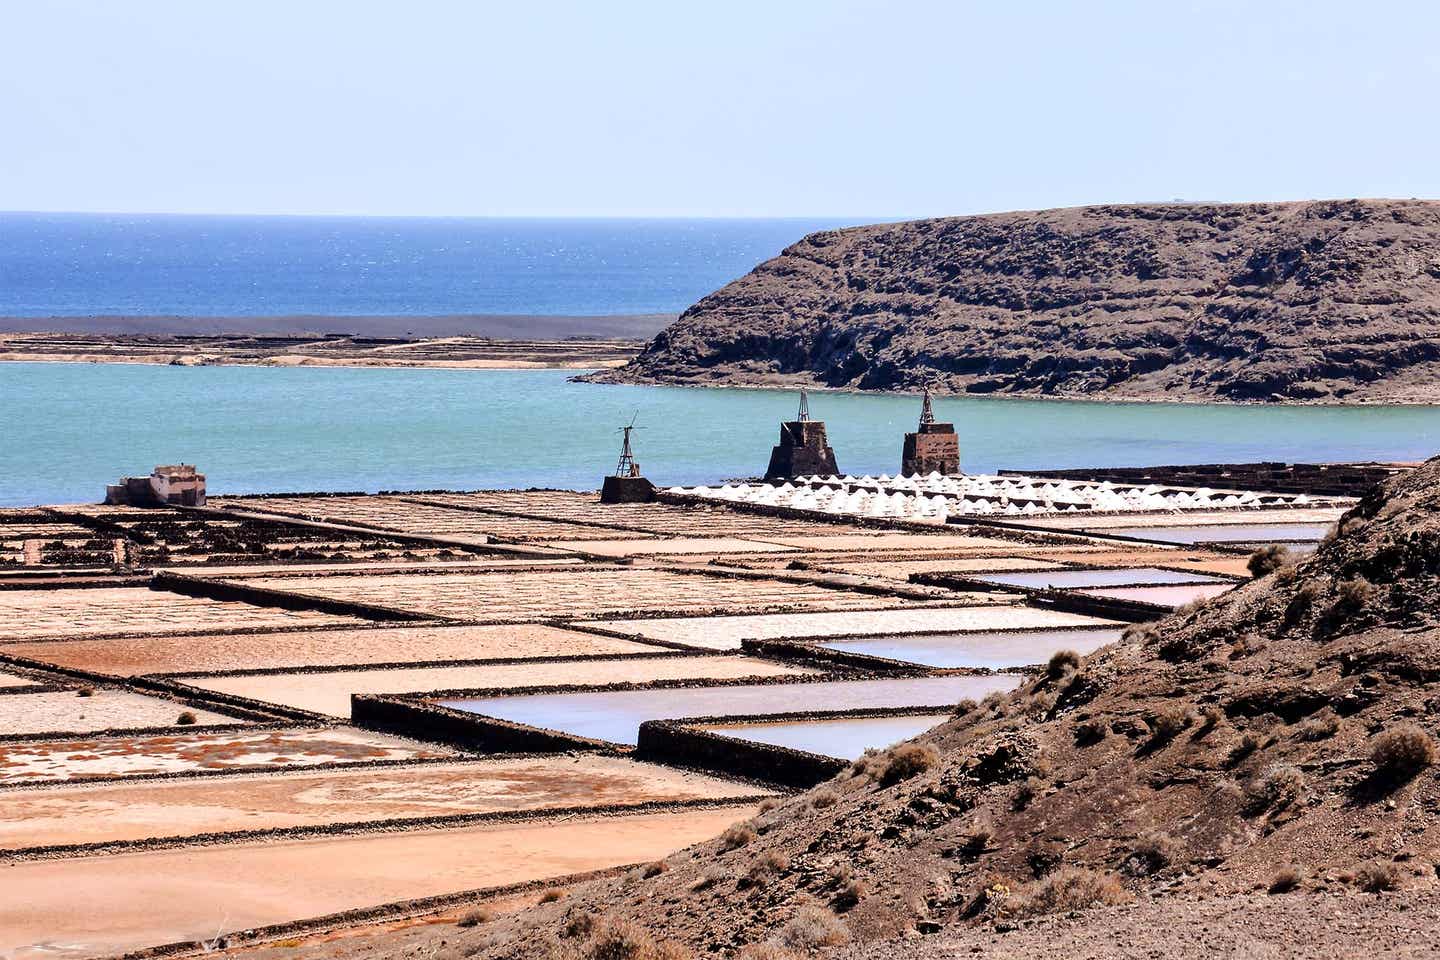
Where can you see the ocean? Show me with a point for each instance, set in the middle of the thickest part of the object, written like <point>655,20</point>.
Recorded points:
<point>67,429</point>
<point>75,265</point>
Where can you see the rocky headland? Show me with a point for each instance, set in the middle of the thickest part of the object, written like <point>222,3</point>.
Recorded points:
<point>1321,301</point>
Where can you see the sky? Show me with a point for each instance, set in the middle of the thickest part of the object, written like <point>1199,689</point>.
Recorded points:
<point>871,110</point>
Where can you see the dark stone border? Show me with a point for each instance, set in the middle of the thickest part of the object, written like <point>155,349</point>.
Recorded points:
<point>238,591</point>
<point>681,743</point>
<point>579,658</point>
<point>1069,601</point>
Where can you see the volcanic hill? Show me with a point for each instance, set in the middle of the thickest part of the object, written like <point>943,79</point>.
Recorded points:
<point>1257,766</point>
<point>1313,301</point>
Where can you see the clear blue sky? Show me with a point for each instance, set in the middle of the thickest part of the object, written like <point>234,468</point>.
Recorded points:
<point>728,108</point>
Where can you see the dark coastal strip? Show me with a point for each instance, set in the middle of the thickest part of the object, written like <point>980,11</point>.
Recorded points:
<point>392,326</point>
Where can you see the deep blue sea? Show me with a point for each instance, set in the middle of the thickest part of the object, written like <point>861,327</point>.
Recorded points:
<point>84,264</point>
<point>66,429</point>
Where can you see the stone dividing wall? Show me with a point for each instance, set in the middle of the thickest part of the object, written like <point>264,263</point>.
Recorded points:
<point>1322,479</point>
<point>1131,611</point>
<point>267,597</point>
<point>422,720</point>
<point>680,743</point>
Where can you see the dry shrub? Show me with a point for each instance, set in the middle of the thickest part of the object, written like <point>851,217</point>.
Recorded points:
<point>624,940</point>
<point>185,719</point>
<point>994,701</point>
<point>1278,786</point>
<point>474,918</point>
<point>1378,877</point>
<point>1322,726</point>
<point>1090,732</point>
<point>768,804</point>
<point>765,951</point>
<point>965,707</point>
<point>736,836</point>
<point>654,869</point>
<point>1062,663</point>
<point>1250,741</point>
<point>906,761</point>
<point>1401,752</point>
<point>1301,603</point>
<point>1268,559</point>
<point>1165,725</point>
<point>553,895</point>
<point>1145,634</point>
<point>85,692</point>
<point>1069,888</point>
<point>1350,599</point>
<point>849,890</point>
<point>771,864</point>
<point>710,879</point>
<point>1285,880</point>
<point>579,925</point>
<point>812,927</point>
<point>1027,791</point>
<point>1151,854</point>
<point>1210,718</point>
<point>822,799</point>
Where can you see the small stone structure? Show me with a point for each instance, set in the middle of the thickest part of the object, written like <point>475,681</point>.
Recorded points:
<point>803,449</point>
<point>933,448</point>
<point>168,485</point>
<point>626,485</point>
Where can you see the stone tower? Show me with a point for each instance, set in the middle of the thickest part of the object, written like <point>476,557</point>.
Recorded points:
<point>803,449</point>
<point>933,448</point>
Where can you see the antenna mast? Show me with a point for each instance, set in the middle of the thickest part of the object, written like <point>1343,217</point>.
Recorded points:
<point>927,415</point>
<point>804,414</point>
<point>627,467</point>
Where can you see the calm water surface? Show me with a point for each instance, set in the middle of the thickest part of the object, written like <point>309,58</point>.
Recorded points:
<point>995,649</point>
<point>66,429</point>
<point>846,739</point>
<point>616,715</point>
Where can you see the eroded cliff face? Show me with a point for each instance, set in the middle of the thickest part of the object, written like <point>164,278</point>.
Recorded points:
<point>1323,300</point>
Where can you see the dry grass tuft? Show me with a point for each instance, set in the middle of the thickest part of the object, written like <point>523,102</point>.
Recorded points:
<point>474,918</point>
<point>553,895</point>
<point>1401,752</point>
<point>654,869</point>
<point>811,928</point>
<point>1322,726</point>
<point>85,692</point>
<point>1166,725</point>
<point>823,799</point>
<point>1285,880</point>
<point>1268,559</point>
<point>1151,854</point>
<point>736,836</point>
<point>906,761</point>
<point>185,719</point>
<point>1278,786</point>
<point>1062,663</point>
<point>1378,877</point>
<point>1070,888</point>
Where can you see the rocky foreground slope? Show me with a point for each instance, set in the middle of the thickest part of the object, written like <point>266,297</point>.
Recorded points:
<point>1260,766</point>
<point>1324,300</point>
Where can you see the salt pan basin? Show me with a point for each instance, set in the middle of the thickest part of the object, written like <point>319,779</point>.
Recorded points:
<point>1062,579</point>
<point>995,649</point>
<point>845,738</point>
<point>616,715</point>
<point>1228,532</point>
<point>1165,596</point>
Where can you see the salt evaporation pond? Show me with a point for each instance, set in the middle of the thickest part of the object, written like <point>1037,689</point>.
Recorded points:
<point>992,649</point>
<point>616,715</point>
<point>845,738</point>
<point>1226,532</point>
<point>1164,596</point>
<point>1095,578</point>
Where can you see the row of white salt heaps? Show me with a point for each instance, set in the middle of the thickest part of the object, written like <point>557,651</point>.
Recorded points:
<point>935,497</point>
